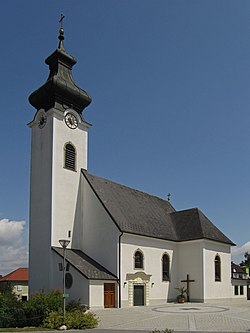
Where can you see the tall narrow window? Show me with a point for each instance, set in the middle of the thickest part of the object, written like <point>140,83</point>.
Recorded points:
<point>70,157</point>
<point>217,268</point>
<point>165,267</point>
<point>138,259</point>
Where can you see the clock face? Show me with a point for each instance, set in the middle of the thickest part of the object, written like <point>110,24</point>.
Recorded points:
<point>71,121</point>
<point>42,120</point>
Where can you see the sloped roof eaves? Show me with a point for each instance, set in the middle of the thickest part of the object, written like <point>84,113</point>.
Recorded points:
<point>86,265</point>
<point>210,231</point>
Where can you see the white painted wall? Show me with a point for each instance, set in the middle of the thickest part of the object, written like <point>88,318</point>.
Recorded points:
<point>40,204</point>
<point>96,291</point>
<point>195,258</point>
<point>153,250</point>
<point>190,261</point>
<point>217,289</point>
<point>94,232</point>
<point>66,183</point>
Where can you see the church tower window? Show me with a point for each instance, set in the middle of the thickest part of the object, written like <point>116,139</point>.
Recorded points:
<point>217,268</point>
<point>70,157</point>
<point>165,267</point>
<point>138,257</point>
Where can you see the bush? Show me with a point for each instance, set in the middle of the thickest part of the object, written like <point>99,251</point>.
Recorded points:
<point>54,320</point>
<point>76,306</point>
<point>73,320</point>
<point>43,309</point>
<point>40,305</point>
<point>14,313</point>
<point>11,312</point>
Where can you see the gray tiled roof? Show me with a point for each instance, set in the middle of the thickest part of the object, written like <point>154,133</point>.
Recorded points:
<point>192,224</point>
<point>86,265</point>
<point>140,213</point>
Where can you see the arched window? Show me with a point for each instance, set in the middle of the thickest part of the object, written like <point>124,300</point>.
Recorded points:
<point>70,157</point>
<point>165,267</point>
<point>138,259</point>
<point>217,268</point>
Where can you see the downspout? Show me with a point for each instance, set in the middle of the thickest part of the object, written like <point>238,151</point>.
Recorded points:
<point>120,236</point>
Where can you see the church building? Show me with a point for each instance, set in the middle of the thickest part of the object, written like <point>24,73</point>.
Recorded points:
<point>125,247</point>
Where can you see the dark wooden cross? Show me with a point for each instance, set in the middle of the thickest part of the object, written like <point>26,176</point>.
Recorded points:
<point>188,281</point>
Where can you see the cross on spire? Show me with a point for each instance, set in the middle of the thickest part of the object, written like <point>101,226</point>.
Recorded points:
<point>61,33</point>
<point>61,20</point>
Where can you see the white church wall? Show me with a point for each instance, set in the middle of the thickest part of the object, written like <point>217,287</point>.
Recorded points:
<point>217,289</point>
<point>95,233</point>
<point>190,261</point>
<point>158,291</point>
<point>40,205</point>
<point>66,182</point>
<point>96,294</point>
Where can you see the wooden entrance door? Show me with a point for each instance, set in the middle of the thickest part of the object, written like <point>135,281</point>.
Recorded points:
<point>109,295</point>
<point>138,295</point>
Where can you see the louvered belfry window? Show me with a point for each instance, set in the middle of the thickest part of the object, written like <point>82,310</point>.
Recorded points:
<point>70,157</point>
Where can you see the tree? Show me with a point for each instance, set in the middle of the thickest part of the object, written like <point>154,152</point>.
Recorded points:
<point>246,262</point>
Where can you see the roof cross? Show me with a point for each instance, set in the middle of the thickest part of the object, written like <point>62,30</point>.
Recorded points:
<point>61,20</point>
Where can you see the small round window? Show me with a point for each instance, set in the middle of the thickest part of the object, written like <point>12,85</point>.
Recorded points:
<point>68,280</point>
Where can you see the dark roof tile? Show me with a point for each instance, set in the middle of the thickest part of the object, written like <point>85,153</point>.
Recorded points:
<point>86,265</point>
<point>140,213</point>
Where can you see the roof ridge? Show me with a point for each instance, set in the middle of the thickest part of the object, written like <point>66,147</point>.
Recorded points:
<point>126,186</point>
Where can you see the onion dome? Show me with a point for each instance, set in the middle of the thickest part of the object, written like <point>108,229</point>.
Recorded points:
<point>60,90</point>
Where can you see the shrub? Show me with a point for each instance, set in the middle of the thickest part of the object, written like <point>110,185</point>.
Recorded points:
<point>11,312</point>
<point>54,320</point>
<point>73,320</point>
<point>40,305</point>
<point>76,305</point>
<point>79,320</point>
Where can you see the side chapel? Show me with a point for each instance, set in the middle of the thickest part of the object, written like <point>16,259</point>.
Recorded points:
<point>127,248</point>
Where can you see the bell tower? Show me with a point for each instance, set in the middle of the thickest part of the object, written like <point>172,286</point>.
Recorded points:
<point>59,149</point>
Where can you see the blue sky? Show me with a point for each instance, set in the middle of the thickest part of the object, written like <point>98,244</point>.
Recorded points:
<point>170,82</point>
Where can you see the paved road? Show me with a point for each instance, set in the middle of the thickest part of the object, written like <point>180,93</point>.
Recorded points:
<point>191,317</point>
